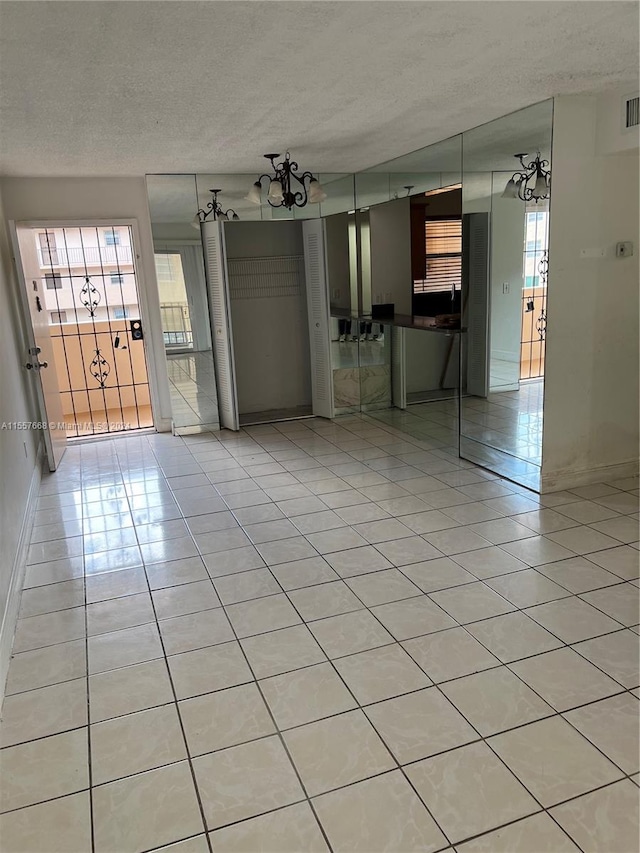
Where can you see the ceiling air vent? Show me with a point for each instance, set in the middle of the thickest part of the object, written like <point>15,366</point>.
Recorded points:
<point>631,115</point>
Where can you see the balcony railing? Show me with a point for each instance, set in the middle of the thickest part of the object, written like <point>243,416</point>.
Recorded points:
<point>176,324</point>
<point>91,256</point>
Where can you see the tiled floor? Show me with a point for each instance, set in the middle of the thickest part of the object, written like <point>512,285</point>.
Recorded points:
<point>320,636</point>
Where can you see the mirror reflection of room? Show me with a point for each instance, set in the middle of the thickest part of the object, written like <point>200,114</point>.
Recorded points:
<point>506,196</point>
<point>184,307</point>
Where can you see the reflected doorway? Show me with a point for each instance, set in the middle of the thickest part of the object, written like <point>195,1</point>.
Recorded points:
<point>186,330</point>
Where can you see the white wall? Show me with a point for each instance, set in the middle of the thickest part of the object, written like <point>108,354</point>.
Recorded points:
<point>68,199</point>
<point>591,383</point>
<point>507,240</point>
<point>391,281</point>
<point>611,135</point>
<point>18,448</point>
<point>270,334</point>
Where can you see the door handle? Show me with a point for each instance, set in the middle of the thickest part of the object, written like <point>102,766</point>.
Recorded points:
<point>37,365</point>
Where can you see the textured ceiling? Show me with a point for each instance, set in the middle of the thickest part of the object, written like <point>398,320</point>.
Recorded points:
<point>127,88</point>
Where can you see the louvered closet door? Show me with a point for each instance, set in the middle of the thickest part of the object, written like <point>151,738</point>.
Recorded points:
<point>398,369</point>
<point>318,312</point>
<point>221,333</point>
<point>475,275</point>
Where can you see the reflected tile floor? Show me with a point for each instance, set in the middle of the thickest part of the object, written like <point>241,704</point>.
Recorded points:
<point>192,385</point>
<point>502,432</point>
<point>319,636</point>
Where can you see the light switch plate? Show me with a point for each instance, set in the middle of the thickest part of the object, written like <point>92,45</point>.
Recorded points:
<point>624,250</point>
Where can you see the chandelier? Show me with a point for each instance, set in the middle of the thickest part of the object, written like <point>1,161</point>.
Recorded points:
<point>533,183</point>
<point>213,209</point>
<point>283,192</point>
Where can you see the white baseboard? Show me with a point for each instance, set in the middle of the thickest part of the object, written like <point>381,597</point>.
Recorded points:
<point>568,478</point>
<point>10,615</point>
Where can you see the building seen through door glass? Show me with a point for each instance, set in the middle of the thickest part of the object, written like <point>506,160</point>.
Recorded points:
<point>90,296</point>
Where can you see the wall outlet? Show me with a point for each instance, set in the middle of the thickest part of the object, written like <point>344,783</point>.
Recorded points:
<point>506,287</point>
<point>624,250</point>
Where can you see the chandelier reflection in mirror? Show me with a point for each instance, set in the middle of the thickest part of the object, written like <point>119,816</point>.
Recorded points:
<point>533,183</point>
<point>214,210</point>
<point>287,187</point>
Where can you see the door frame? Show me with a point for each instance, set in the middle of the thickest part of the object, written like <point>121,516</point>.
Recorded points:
<point>156,364</point>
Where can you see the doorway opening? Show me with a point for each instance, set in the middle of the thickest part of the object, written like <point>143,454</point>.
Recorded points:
<point>534,294</point>
<point>91,304</point>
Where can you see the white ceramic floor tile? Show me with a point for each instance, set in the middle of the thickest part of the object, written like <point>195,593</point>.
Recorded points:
<point>136,742</point>
<point>612,725</point>
<point>282,651</point>
<point>572,620</point>
<point>564,679</point>
<point>616,654</point>
<point>553,760</point>
<point>420,724</point>
<point>244,781</point>
<point>42,712</point>
<point>495,700</point>
<point>468,791</point>
<point>383,813</point>
<point>144,811</point>
<point>129,689</point>
<point>224,718</point>
<point>620,602</point>
<point>337,751</point>
<point>513,636</point>
<point>471,602</point>
<point>449,654</point>
<point>531,835</point>
<point>381,673</point>
<point>603,820</point>
<point>287,830</point>
<point>349,633</point>
<point>43,769</point>
<point>212,668</point>
<point>305,695</point>
<point>262,615</point>
<point>622,561</point>
<point>58,826</point>
<point>412,617</point>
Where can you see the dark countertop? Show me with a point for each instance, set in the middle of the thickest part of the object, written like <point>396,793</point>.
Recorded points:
<point>405,321</point>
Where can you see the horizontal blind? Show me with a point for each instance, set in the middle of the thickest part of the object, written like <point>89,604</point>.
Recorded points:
<point>443,250</point>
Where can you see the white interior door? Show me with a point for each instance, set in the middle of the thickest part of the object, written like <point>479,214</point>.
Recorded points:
<point>39,360</point>
<point>221,332</point>
<point>313,233</point>
<point>398,368</point>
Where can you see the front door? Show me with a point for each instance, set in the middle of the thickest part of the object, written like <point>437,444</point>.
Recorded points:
<point>40,359</point>
<point>81,288</point>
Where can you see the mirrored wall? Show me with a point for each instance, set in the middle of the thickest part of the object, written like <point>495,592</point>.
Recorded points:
<point>436,268</point>
<point>184,307</point>
<point>506,226</point>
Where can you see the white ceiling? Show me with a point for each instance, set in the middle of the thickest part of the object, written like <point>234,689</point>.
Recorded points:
<point>128,88</point>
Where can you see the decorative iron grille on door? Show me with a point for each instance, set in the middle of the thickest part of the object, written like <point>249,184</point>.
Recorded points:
<point>91,296</point>
<point>534,295</point>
